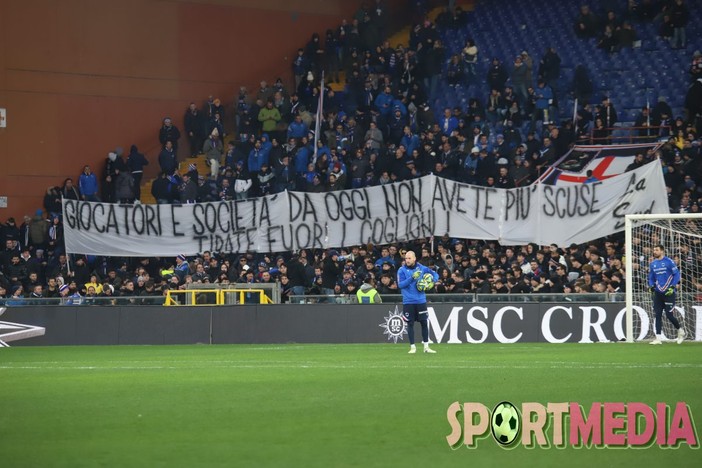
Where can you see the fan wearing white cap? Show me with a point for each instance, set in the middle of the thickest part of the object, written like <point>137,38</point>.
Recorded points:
<point>182,268</point>
<point>69,299</point>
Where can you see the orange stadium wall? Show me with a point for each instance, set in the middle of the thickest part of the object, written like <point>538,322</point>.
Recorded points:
<point>81,77</point>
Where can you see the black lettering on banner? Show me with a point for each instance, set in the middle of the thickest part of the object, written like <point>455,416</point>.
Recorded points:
<point>587,194</point>
<point>420,225</point>
<point>294,237</point>
<point>390,230</point>
<point>634,185</point>
<point>250,237</point>
<point>567,202</point>
<point>220,243</point>
<point>332,205</point>
<point>112,220</point>
<point>594,208</point>
<point>549,210</point>
<point>100,229</point>
<point>438,195</point>
<point>198,214</point>
<point>488,206</point>
<point>450,198</point>
<point>518,201</point>
<point>398,228</point>
<point>378,231</point>
<point>413,225</point>
<point>361,203</point>
<point>125,209</point>
<point>301,207</point>
<point>254,205</point>
<point>318,233</point>
<point>234,225</point>
<point>69,213</point>
<point>483,206</point>
<point>210,217</point>
<point>459,198</point>
<point>175,223</point>
<point>239,234</point>
<point>622,210</point>
<point>82,223</point>
<point>199,240</point>
<point>236,218</point>
<point>265,212</point>
<point>153,213</point>
<point>347,204</point>
<point>428,223</point>
<point>138,219</point>
<point>225,226</point>
<point>366,228</point>
<point>477,191</point>
<point>402,198</point>
<point>213,217</point>
<point>303,235</point>
<point>269,236</point>
<point>286,237</point>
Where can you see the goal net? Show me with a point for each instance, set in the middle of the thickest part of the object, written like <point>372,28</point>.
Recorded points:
<point>681,236</point>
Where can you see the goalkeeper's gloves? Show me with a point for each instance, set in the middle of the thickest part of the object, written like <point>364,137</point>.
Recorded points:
<point>669,291</point>
<point>416,274</point>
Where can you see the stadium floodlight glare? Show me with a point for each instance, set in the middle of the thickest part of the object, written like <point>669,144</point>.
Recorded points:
<point>681,236</point>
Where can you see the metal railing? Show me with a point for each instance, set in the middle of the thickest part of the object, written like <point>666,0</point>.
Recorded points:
<point>216,296</point>
<point>271,290</point>
<point>234,296</point>
<point>626,134</point>
<point>467,298</point>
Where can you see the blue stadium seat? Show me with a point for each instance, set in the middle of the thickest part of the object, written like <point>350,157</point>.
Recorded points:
<point>629,75</point>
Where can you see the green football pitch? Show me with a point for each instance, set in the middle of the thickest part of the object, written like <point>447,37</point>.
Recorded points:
<point>319,405</point>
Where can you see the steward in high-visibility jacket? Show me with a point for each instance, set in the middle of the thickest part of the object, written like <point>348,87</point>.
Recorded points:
<point>367,294</point>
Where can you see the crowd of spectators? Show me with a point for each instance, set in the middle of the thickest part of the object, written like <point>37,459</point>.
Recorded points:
<point>381,129</point>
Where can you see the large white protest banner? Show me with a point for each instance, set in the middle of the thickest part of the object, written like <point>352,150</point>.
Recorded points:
<point>398,212</point>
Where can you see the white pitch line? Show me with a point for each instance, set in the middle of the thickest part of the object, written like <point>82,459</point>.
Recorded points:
<point>359,363</point>
<point>268,365</point>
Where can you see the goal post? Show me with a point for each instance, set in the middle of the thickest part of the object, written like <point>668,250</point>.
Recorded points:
<point>681,236</point>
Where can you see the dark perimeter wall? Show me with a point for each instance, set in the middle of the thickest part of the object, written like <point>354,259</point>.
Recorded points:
<point>81,77</point>
<point>453,323</point>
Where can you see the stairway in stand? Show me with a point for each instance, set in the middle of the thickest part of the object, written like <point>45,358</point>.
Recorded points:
<point>202,169</point>
<point>401,37</point>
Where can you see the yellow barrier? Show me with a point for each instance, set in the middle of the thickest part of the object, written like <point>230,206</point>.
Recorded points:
<point>219,296</point>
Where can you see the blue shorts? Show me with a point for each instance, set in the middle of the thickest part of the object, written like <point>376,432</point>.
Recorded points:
<point>414,312</point>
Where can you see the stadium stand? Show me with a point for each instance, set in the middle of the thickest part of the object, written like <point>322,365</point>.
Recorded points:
<point>428,86</point>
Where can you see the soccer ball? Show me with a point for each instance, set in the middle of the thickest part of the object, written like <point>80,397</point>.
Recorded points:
<point>505,423</point>
<point>425,283</point>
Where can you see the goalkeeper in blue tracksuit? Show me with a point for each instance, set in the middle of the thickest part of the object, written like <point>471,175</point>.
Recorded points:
<point>663,277</point>
<point>414,301</point>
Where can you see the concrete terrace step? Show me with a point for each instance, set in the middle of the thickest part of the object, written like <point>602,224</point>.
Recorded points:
<point>202,169</point>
